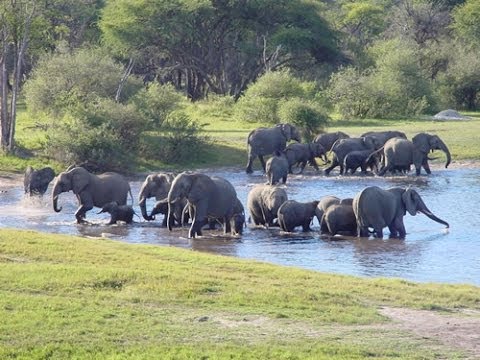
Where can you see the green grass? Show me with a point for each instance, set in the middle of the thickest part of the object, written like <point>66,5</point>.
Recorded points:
<point>68,297</point>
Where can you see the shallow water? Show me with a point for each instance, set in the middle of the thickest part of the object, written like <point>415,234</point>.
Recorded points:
<point>430,253</point>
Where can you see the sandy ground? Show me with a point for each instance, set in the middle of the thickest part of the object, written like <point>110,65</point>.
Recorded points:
<point>460,331</point>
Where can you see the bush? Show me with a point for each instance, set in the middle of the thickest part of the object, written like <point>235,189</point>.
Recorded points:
<point>156,102</point>
<point>104,132</point>
<point>180,141</point>
<point>61,81</point>
<point>261,100</point>
<point>305,115</point>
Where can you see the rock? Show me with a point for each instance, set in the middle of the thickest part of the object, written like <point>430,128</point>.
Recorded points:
<point>450,115</point>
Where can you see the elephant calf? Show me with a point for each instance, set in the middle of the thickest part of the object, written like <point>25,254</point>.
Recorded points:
<point>339,219</point>
<point>362,159</point>
<point>277,168</point>
<point>301,154</point>
<point>293,213</point>
<point>36,181</point>
<point>118,212</point>
<point>263,202</point>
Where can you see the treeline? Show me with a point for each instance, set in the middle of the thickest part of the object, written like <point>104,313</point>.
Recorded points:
<point>107,74</point>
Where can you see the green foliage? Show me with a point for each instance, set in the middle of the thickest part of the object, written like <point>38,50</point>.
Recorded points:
<point>60,81</point>
<point>467,22</point>
<point>181,141</point>
<point>396,86</point>
<point>305,115</point>
<point>156,102</point>
<point>103,132</point>
<point>262,98</point>
<point>459,86</point>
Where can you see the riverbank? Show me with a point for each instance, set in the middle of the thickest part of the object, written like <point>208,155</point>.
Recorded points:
<point>64,297</point>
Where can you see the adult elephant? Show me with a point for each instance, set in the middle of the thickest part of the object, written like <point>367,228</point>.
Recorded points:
<point>91,190</point>
<point>35,182</point>
<point>301,154</point>
<point>344,146</point>
<point>401,153</point>
<point>384,136</point>
<point>157,186</point>
<point>328,139</point>
<point>263,202</point>
<point>209,197</point>
<point>378,208</point>
<point>265,141</point>
<point>293,213</point>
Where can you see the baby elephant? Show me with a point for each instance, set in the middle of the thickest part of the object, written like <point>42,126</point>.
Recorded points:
<point>362,159</point>
<point>277,168</point>
<point>118,212</point>
<point>339,219</point>
<point>293,213</point>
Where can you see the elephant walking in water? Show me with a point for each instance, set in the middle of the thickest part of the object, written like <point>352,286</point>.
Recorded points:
<point>263,202</point>
<point>91,190</point>
<point>209,197</point>
<point>377,208</point>
<point>36,181</point>
<point>293,213</point>
<point>265,141</point>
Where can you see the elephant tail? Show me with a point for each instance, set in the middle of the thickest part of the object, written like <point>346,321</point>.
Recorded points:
<point>131,195</point>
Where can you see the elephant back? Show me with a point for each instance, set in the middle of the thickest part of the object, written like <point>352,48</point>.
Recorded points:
<point>265,141</point>
<point>375,207</point>
<point>109,187</point>
<point>223,199</point>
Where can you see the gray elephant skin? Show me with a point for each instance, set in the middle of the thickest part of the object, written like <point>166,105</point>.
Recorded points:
<point>344,146</point>
<point>401,153</point>
<point>378,208</point>
<point>237,221</point>
<point>118,212</point>
<point>301,154</point>
<point>263,202</point>
<point>323,204</point>
<point>265,141</point>
<point>277,168</point>
<point>383,136</point>
<point>36,182</point>
<point>209,197</point>
<point>362,159</point>
<point>91,190</point>
<point>339,219</point>
<point>328,139</point>
<point>293,213</point>
<point>157,186</point>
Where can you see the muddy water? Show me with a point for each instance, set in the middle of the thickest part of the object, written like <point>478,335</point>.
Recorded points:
<point>429,253</point>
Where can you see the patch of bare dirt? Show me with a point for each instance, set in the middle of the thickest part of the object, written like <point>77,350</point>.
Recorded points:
<point>458,331</point>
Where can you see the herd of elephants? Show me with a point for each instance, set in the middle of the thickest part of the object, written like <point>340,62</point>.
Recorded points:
<point>202,200</point>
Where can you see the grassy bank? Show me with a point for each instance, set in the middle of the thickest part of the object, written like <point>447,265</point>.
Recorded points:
<point>66,297</point>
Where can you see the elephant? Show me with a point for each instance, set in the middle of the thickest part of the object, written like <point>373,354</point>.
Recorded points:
<point>265,141</point>
<point>91,190</point>
<point>323,204</point>
<point>328,139</point>
<point>36,182</point>
<point>263,202</point>
<point>342,147</point>
<point>209,197</point>
<point>383,136</point>
<point>401,153</point>
<point>362,159</point>
<point>378,208</point>
<point>277,168</point>
<point>118,212</point>
<point>339,219</point>
<point>297,153</point>
<point>293,213</point>
<point>180,218</point>
<point>237,222</point>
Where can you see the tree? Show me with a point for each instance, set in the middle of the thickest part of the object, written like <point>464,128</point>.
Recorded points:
<point>216,46</point>
<point>16,18</point>
<point>467,22</point>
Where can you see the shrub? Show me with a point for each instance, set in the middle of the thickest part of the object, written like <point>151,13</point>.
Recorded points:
<point>104,132</point>
<point>181,140</point>
<point>305,115</point>
<point>156,102</point>
<point>262,98</point>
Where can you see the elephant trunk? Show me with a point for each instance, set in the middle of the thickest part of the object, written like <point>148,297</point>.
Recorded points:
<point>143,207</point>
<point>55,193</point>
<point>433,217</point>
<point>444,148</point>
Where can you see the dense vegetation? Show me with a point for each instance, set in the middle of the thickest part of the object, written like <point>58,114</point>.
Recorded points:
<point>116,82</point>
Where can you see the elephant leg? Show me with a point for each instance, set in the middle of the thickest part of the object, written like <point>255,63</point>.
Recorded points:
<point>302,167</point>
<point>81,213</point>
<point>199,220</point>
<point>306,226</point>
<point>362,231</point>
<point>251,157</point>
<point>227,225</point>
<point>332,166</point>
<point>164,221</point>
<point>262,161</point>
<point>378,232</point>
<point>400,227</point>
<point>427,167</point>
<point>284,179</point>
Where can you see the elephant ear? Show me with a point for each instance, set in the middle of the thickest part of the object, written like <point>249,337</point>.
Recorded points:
<point>422,143</point>
<point>409,198</point>
<point>80,179</point>
<point>286,131</point>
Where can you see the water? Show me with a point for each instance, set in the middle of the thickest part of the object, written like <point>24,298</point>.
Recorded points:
<point>430,253</point>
